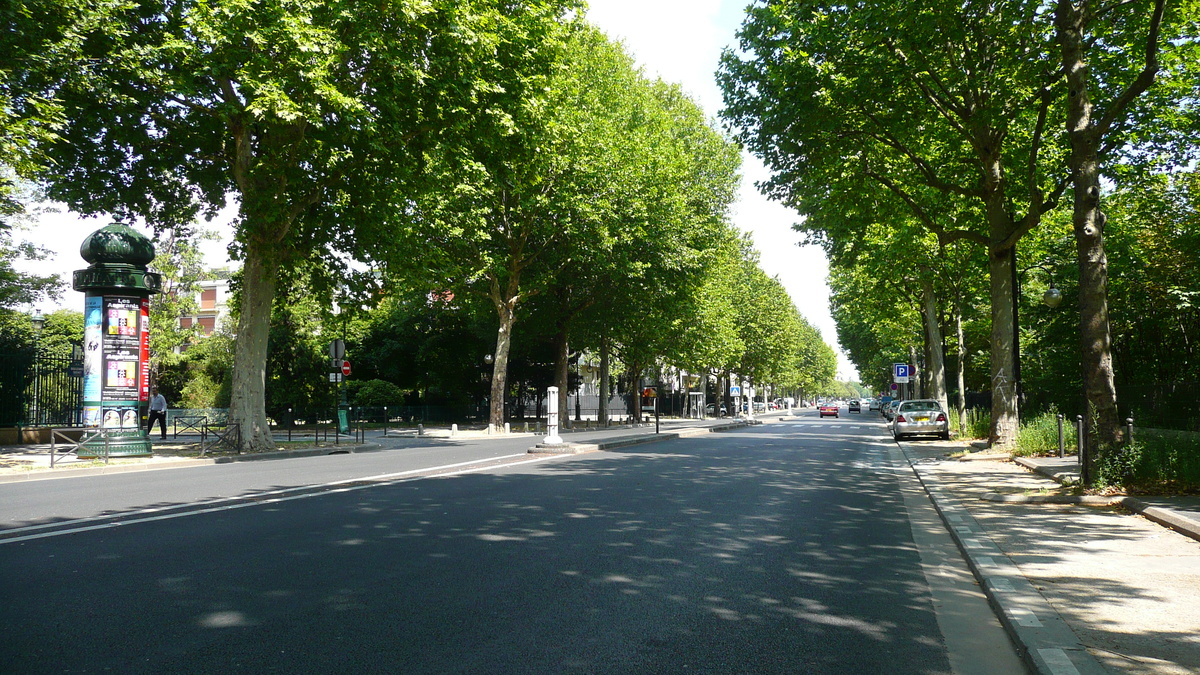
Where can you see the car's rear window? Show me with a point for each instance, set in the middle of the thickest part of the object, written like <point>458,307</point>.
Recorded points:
<point>920,405</point>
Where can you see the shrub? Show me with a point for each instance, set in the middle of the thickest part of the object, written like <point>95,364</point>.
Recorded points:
<point>1039,436</point>
<point>375,393</point>
<point>979,422</point>
<point>1159,461</point>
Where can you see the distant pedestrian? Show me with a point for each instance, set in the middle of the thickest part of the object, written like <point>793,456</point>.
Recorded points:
<point>158,411</point>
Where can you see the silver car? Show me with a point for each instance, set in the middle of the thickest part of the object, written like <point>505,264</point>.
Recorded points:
<point>920,416</point>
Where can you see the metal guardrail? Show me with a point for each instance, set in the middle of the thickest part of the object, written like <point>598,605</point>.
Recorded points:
<point>227,435</point>
<point>189,422</point>
<point>76,444</point>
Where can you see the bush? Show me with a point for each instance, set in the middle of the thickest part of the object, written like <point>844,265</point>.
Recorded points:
<point>1039,436</point>
<point>1158,461</point>
<point>375,393</point>
<point>979,422</point>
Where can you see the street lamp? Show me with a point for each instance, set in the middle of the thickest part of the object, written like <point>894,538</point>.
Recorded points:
<point>38,322</point>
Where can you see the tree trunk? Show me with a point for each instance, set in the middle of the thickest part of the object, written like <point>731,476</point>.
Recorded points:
<point>247,405</point>
<point>1004,391</point>
<point>935,360</point>
<point>962,366</point>
<point>562,375</point>
<point>506,311</point>
<point>602,414</point>
<point>1101,420</point>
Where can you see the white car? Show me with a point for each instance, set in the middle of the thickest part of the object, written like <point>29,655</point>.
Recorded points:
<point>920,416</point>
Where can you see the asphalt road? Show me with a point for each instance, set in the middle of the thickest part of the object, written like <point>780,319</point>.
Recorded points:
<point>785,548</point>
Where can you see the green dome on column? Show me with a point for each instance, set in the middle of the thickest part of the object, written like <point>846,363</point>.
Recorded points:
<point>117,243</point>
<point>118,256</point>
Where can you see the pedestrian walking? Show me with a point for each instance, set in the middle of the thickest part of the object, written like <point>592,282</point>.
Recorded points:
<point>158,411</point>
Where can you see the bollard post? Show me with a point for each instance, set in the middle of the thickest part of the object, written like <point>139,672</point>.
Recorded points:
<point>385,420</point>
<point>1128,430</point>
<point>291,423</point>
<point>507,428</point>
<point>454,429</point>
<point>552,437</point>
<point>420,429</point>
<point>1061,450</point>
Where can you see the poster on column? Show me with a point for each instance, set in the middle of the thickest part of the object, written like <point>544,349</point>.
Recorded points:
<point>121,350</point>
<point>93,361</point>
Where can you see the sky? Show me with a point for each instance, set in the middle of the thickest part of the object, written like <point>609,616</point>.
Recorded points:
<point>677,40</point>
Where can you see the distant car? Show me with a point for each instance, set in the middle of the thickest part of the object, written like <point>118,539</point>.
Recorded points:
<point>920,416</point>
<point>711,409</point>
<point>889,409</point>
<point>826,409</point>
<point>873,404</point>
<point>855,406</point>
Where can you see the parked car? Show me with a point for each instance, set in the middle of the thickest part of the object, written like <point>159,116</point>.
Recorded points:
<point>873,404</point>
<point>711,409</point>
<point>855,406</point>
<point>888,410</point>
<point>826,409</point>
<point>920,416</point>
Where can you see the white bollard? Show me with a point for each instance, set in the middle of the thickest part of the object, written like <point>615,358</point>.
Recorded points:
<point>552,437</point>
<point>420,429</point>
<point>453,430</point>
<point>507,427</point>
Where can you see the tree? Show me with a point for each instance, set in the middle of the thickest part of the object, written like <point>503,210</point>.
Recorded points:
<point>1102,93</point>
<point>314,116</point>
<point>16,287</point>
<point>936,105</point>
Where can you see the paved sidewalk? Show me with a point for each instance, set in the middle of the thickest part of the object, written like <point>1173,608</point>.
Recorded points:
<point>1081,587</point>
<point>32,461</point>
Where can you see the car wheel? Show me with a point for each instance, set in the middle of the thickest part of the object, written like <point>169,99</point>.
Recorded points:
<point>945,435</point>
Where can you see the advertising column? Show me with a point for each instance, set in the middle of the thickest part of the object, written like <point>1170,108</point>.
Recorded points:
<point>116,367</point>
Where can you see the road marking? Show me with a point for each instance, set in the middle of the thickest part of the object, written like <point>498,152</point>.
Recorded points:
<point>272,497</point>
<point>1058,662</point>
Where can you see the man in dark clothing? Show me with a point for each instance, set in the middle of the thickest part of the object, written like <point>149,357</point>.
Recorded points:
<point>158,411</point>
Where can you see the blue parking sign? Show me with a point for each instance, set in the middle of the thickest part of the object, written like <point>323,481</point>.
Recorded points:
<point>900,372</point>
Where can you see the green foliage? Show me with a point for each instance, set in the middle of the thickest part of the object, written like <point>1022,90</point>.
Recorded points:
<point>978,424</point>
<point>179,260</point>
<point>201,391</point>
<point>374,393</point>
<point>1155,462</point>
<point>1039,436</point>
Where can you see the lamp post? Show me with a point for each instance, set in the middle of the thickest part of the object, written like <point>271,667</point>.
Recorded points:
<point>38,322</point>
<point>1052,298</point>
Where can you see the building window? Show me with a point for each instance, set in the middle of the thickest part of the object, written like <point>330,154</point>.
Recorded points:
<point>208,324</point>
<point>208,299</point>
<point>185,322</point>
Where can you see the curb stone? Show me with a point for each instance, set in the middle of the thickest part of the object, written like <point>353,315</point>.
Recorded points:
<point>1167,518</point>
<point>621,442</point>
<point>1045,641</point>
<point>67,472</point>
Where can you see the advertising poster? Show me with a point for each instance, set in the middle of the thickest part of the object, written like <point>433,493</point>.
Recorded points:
<point>121,348</point>
<point>93,363</point>
<point>144,352</point>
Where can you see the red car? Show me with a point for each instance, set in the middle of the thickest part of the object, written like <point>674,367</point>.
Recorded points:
<point>828,409</point>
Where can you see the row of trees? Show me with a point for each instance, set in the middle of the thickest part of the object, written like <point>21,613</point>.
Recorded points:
<point>922,144</point>
<point>454,153</point>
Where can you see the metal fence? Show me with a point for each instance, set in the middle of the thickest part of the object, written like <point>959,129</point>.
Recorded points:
<point>40,390</point>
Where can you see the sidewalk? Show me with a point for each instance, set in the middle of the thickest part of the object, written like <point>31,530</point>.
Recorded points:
<point>1081,584</point>
<point>32,461</point>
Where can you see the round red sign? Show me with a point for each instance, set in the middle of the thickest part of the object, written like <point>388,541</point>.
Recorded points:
<point>346,368</point>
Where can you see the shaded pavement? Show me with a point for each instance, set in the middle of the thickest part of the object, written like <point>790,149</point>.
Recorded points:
<point>1126,589</point>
